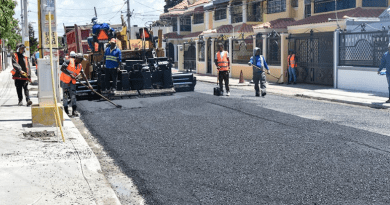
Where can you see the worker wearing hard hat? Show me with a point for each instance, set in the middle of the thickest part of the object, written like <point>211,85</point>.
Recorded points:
<point>21,74</point>
<point>112,59</point>
<point>71,69</point>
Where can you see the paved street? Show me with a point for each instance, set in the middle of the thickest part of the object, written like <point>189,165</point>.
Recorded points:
<point>196,148</point>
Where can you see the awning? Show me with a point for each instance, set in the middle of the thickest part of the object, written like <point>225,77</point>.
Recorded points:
<point>208,6</point>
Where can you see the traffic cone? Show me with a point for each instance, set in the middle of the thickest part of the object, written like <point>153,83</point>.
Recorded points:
<point>241,77</point>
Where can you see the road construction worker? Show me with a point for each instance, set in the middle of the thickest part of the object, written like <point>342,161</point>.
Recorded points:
<point>21,74</point>
<point>112,59</point>
<point>385,63</point>
<point>71,69</point>
<point>292,66</point>
<point>223,64</point>
<point>258,64</point>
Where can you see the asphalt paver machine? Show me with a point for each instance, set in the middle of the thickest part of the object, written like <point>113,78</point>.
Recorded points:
<point>144,69</point>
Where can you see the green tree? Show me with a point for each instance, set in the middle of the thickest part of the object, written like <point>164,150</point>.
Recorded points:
<point>32,39</point>
<point>9,29</point>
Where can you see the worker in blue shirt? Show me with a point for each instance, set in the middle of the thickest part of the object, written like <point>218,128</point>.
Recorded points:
<point>385,63</point>
<point>112,59</point>
<point>258,64</point>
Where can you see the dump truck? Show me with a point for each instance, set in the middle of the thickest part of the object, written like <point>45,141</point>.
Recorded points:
<point>144,70</point>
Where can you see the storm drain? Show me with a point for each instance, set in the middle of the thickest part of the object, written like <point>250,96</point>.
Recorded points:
<point>43,135</point>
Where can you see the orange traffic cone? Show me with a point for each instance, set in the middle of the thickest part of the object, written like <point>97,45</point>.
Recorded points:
<point>241,77</point>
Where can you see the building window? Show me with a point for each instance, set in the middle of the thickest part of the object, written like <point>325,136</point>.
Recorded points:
<point>330,5</point>
<point>236,12</point>
<point>276,6</point>
<point>220,13</point>
<point>255,12</point>
<point>174,24</point>
<point>198,18</point>
<point>185,23</point>
<point>374,3</point>
<point>294,3</point>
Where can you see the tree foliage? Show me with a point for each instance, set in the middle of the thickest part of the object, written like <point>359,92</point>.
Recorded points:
<point>32,39</point>
<point>8,25</point>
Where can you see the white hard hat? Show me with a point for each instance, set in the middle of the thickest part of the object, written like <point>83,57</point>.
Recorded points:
<point>72,54</point>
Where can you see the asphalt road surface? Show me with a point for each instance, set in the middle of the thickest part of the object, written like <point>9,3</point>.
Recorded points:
<point>196,148</point>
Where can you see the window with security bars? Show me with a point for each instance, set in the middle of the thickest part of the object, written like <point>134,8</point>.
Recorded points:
<point>220,13</point>
<point>174,24</point>
<point>321,6</point>
<point>374,3</point>
<point>254,12</point>
<point>276,6</point>
<point>236,12</point>
<point>185,23</point>
<point>198,18</point>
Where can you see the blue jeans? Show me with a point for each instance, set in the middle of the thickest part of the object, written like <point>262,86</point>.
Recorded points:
<point>68,90</point>
<point>291,74</point>
<point>90,42</point>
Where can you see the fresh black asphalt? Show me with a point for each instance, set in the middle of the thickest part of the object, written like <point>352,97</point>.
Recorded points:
<point>196,148</point>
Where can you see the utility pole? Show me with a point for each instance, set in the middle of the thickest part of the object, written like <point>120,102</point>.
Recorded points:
<point>128,18</point>
<point>25,33</point>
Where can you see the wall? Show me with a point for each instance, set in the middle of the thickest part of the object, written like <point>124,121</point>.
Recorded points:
<point>201,68</point>
<point>362,79</point>
<point>180,55</point>
<point>198,27</point>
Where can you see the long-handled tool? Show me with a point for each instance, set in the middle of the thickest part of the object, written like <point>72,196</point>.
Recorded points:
<point>25,75</point>
<point>118,106</point>
<point>269,73</point>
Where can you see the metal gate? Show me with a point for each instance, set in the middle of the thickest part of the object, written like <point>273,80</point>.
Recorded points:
<point>170,52</point>
<point>314,54</point>
<point>190,56</point>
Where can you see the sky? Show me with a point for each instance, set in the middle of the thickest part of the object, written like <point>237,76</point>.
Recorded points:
<point>70,12</point>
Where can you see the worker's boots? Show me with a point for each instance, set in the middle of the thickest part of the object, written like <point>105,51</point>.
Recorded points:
<point>66,110</point>
<point>74,112</point>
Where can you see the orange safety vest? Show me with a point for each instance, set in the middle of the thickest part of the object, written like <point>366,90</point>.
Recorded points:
<point>13,71</point>
<point>72,70</point>
<point>291,61</point>
<point>96,46</point>
<point>222,61</point>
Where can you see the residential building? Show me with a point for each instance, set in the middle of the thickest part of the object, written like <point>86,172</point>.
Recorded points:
<point>274,25</point>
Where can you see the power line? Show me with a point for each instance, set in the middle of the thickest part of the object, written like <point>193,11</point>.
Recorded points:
<point>118,11</point>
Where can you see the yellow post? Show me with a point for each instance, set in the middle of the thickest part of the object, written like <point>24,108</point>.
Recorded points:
<point>52,81</point>
<point>40,30</point>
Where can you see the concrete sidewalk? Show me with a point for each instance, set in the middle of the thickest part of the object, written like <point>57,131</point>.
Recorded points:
<point>42,169</point>
<point>375,100</point>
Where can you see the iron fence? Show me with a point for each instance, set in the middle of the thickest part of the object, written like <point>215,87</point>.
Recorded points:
<point>242,50</point>
<point>363,48</point>
<point>314,56</point>
<point>273,50</point>
<point>259,42</point>
<point>189,56</point>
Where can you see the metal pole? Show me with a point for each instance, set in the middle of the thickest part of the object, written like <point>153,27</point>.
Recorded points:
<point>128,18</point>
<point>21,18</point>
<point>40,30</point>
<point>26,40</point>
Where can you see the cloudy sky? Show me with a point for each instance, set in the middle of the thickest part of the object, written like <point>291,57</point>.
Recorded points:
<point>70,12</point>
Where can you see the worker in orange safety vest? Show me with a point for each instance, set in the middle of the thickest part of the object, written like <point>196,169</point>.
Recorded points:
<point>223,64</point>
<point>71,70</point>
<point>21,74</point>
<point>292,66</point>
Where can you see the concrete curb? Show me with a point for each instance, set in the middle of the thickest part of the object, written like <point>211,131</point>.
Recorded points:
<point>306,94</point>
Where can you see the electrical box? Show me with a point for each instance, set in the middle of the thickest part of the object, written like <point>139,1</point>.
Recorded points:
<point>45,88</point>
